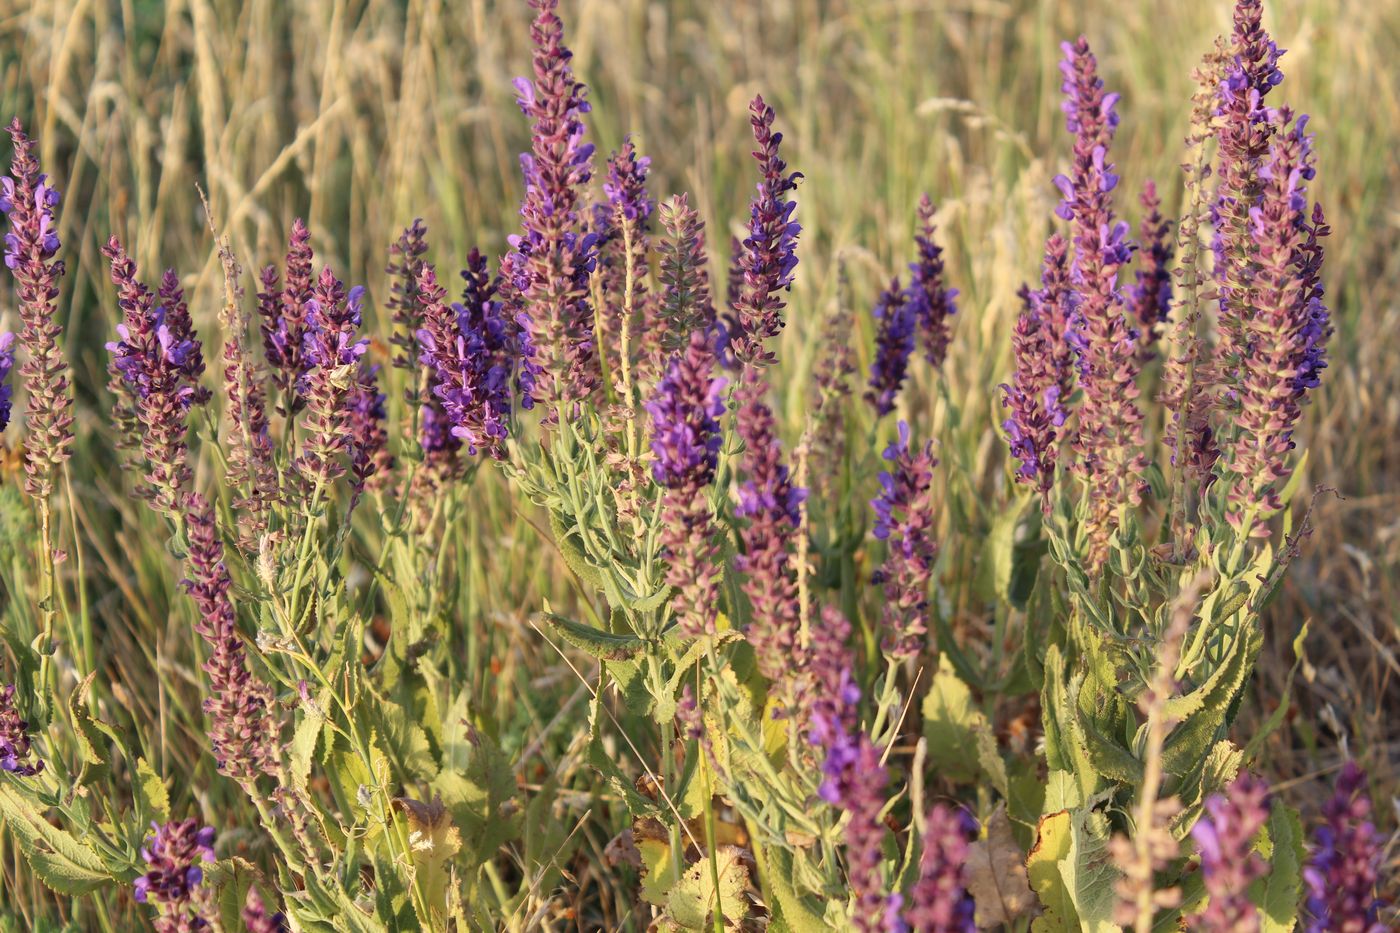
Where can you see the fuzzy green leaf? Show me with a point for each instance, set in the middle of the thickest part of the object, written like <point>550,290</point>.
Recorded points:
<point>607,646</point>
<point>61,862</point>
<point>1278,892</point>
<point>152,799</point>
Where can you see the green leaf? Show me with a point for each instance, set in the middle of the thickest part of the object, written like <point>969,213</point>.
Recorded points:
<point>961,743</point>
<point>61,862</point>
<point>1189,741</point>
<point>1010,558</point>
<point>1277,893</point>
<point>231,878</point>
<point>308,731</point>
<point>607,646</point>
<point>1053,844</point>
<point>574,556</point>
<point>1089,873</point>
<point>152,799</point>
<point>775,869</point>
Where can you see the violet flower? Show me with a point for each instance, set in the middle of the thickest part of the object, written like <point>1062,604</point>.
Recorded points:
<point>1286,330</point>
<point>7,363</point>
<point>1344,869</point>
<point>769,253</point>
<point>258,919</point>
<point>468,347</point>
<point>904,519</point>
<point>939,901</point>
<point>284,318</point>
<point>686,439</point>
<point>331,348</point>
<point>28,200</point>
<point>1149,299</point>
<point>895,319</point>
<point>930,301</point>
<point>155,362</point>
<point>1224,839</point>
<point>243,726</point>
<point>1109,440</point>
<point>853,777</point>
<point>546,274</point>
<point>175,853</point>
<point>17,754</point>
<point>771,504</point>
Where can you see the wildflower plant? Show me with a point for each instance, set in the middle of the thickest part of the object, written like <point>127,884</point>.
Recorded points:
<point>787,713</point>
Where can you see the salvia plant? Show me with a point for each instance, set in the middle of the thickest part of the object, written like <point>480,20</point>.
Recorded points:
<point>788,729</point>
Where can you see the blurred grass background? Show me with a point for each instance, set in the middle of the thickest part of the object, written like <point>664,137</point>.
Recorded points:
<point>363,114</point>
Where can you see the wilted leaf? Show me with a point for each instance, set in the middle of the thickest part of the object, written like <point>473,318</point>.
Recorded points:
<point>996,874</point>
<point>659,873</point>
<point>1052,844</point>
<point>433,840</point>
<point>89,734</point>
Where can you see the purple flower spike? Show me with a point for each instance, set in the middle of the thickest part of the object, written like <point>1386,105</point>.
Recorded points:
<point>931,302</point>
<point>623,224</point>
<point>1150,298</point>
<point>1035,396</point>
<point>684,304</point>
<point>1109,441</point>
<point>686,439</point>
<point>283,311</point>
<point>895,320</point>
<point>468,346</point>
<point>174,853</point>
<point>155,364</point>
<point>768,255</point>
<point>1224,839</point>
<point>7,363</point>
<point>1244,131</point>
<point>331,348</point>
<point>17,755</point>
<point>242,725</point>
<point>28,200</point>
<point>1286,329</point>
<point>939,901</point>
<point>904,519</point>
<point>1344,870</point>
<point>772,506</point>
<point>546,274</point>
<point>853,777</point>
